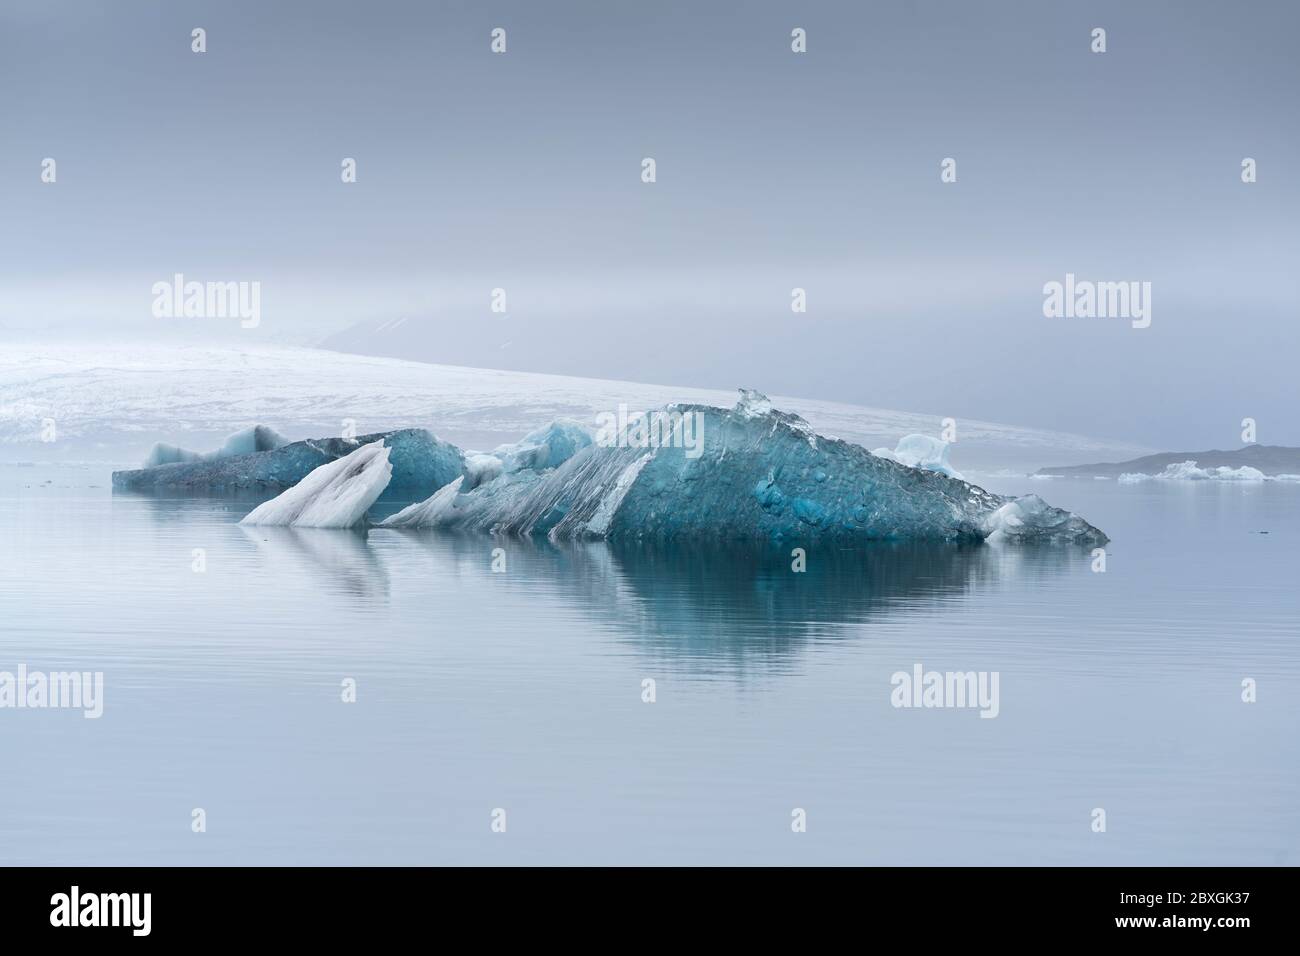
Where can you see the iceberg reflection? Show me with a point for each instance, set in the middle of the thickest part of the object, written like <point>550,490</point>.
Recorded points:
<point>734,603</point>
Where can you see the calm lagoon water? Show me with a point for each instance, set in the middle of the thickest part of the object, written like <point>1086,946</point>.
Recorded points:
<point>522,690</point>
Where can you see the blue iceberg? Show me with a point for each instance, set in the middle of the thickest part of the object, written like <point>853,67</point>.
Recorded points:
<point>421,464</point>
<point>747,473</point>
<point>246,442</point>
<point>546,447</point>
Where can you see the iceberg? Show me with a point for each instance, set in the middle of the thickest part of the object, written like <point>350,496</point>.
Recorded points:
<point>421,465</point>
<point>546,447</point>
<point>1189,471</point>
<point>246,442</point>
<point>921,451</point>
<point>335,495</point>
<point>1030,518</point>
<point>762,474</point>
<point>509,467</point>
<point>481,468</point>
<point>250,440</point>
<point>164,454</point>
<point>753,403</point>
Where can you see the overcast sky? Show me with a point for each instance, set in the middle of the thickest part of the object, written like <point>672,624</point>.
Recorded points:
<point>775,170</point>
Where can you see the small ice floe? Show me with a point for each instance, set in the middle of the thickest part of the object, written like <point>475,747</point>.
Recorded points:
<point>1188,471</point>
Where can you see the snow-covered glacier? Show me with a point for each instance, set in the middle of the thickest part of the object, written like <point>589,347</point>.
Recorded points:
<point>754,473</point>
<point>421,464</point>
<point>113,400</point>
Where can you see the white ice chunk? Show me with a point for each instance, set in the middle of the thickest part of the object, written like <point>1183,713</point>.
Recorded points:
<point>1032,519</point>
<point>1188,471</point>
<point>921,451</point>
<point>335,495</point>
<point>431,511</point>
<point>753,404</point>
<point>481,468</point>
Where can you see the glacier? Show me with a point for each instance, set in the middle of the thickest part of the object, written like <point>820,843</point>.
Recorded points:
<point>421,464</point>
<point>335,495</point>
<point>763,474</point>
<point>116,399</point>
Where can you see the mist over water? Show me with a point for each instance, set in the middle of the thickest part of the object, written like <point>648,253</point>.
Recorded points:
<point>776,170</point>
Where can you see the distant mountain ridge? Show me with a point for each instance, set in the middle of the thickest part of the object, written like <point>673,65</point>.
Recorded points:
<point>1270,459</point>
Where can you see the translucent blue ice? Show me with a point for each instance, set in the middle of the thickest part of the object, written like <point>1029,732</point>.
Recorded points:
<point>754,473</point>
<point>547,447</point>
<point>421,465</point>
<point>246,442</point>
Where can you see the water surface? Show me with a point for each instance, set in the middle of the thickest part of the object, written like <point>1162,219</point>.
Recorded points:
<point>522,690</point>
